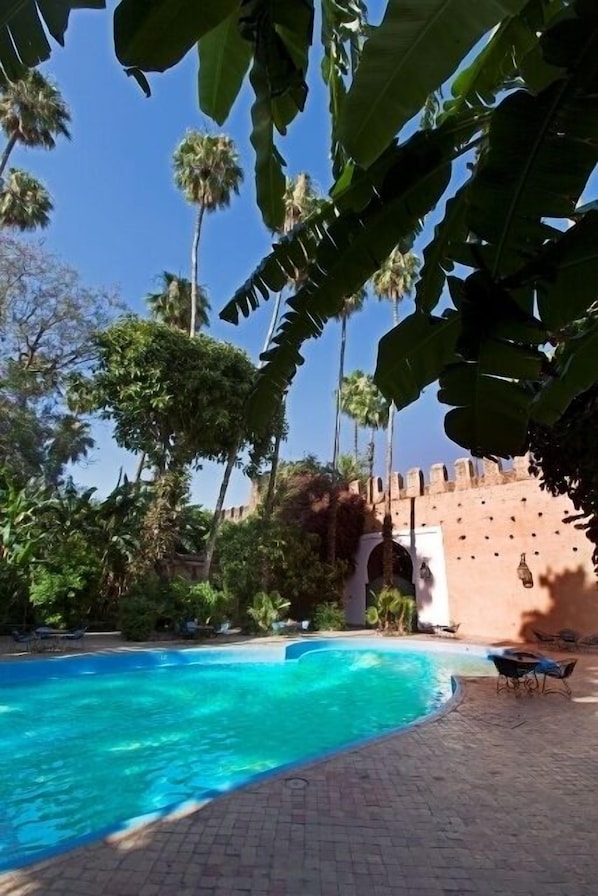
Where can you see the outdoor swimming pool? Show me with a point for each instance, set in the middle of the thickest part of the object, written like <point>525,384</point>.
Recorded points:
<point>90,743</point>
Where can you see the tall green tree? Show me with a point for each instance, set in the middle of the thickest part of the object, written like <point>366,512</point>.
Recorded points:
<point>351,305</point>
<point>207,170</point>
<point>522,83</point>
<point>47,320</point>
<point>32,113</point>
<point>393,281</point>
<point>171,304</point>
<point>366,406</point>
<point>177,400</point>
<point>300,201</point>
<point>25,204</point>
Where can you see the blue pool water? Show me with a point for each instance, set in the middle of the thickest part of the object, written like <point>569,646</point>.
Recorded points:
<point>89,743</point>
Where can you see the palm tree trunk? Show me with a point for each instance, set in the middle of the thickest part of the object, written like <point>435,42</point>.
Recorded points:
<point>194,268</point>
<point>269,499</point>
<point>230,464</point>
<point>7,151</point>
<point>371,448</point>
<point>140,467</point>
<point>387,551</point>
<point>273,322</point>
<point>332,521</point>
<point>356,442</point>
<point>389,451</point>
<point>341,370</point>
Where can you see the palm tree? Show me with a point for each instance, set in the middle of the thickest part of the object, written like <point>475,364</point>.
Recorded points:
<point>171,304</point>
<point>350,305</point>
<point>392,282</point>
<point>207,170</point>
<point>25,204</point>
<point>32,113</point>
<point>300,200</point>
<point>363,402</point>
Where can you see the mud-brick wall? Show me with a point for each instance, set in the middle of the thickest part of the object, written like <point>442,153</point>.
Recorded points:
<point>487,522</point>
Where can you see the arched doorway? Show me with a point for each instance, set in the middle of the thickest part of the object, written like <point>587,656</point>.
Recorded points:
<point>402,571</point>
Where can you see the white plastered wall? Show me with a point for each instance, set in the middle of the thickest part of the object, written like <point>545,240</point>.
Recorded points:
<point>423,544</point>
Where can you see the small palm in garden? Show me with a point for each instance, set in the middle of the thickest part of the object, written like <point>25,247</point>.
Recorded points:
<point>267,609</point>
<point>391,610</point>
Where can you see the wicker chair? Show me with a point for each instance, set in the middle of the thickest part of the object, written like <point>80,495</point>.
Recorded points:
<point>514,673</point>
<point>559,672</point>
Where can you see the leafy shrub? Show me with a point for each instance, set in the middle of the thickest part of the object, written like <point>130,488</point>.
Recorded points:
<point>209,604</point>
<point>179,599</point>
<point>137,618</point>
<point>140,609</point>
<point>267,555</point>
<point>329,617</point>
<point>65,586</point>
<point>266,609</point>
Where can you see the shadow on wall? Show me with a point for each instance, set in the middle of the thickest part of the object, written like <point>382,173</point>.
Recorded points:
<point>574,604</point>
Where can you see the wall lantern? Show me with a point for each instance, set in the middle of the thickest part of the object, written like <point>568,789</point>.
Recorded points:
<point>525,573</point>
<point>425,572</point>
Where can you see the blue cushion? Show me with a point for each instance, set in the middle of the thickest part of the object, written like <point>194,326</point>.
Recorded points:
<point>547,665</point>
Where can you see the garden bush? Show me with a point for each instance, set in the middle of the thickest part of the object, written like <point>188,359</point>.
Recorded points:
<point>267,609</point>
<point>267,555</point>
<point>329,616</point>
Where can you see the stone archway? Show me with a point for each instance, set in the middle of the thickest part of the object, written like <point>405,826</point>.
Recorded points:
<point>402,565</point>
<point>402,571</point>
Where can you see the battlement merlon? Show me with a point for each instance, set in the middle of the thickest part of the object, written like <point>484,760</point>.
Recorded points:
<point>414,484</point>
<point>465,477</point>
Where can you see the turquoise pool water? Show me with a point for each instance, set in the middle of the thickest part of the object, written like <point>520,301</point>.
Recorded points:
<point>99,741</point>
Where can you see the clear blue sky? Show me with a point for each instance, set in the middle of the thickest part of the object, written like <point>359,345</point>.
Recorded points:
<point>120,221</point>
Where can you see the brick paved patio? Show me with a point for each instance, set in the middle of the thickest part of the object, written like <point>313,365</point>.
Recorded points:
<point>496,798</point>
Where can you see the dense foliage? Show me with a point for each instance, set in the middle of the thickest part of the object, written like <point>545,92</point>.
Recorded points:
<point>47,318</point>
<point>178,400</point>
<point>566,458</point>
<point>259,555</point>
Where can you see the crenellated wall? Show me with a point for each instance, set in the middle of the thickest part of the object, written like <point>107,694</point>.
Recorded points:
<point>488,521</point>
<point>488,518</point>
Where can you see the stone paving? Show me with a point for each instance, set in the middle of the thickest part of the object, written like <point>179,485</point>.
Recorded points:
<point>494,798</point>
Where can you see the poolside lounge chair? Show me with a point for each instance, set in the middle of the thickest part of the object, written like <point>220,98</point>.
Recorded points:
<point>568,639</point>
<point>545,637</point>
<point>559,671</point>
<point>447,631</point>
<point>588,641</point>
<point>23,638</point>
<point>192,629</point>
<point>76,636</point>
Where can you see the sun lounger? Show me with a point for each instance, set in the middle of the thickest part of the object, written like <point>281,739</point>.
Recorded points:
<point>545,637</point>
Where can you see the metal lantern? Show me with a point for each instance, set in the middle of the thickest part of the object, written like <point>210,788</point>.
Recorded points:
<point>525,573</point>
<point>425,572</point>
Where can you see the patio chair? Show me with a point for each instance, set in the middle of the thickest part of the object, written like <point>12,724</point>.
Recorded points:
<point>559,671</point>
<point>514,673</point>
